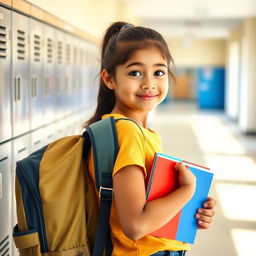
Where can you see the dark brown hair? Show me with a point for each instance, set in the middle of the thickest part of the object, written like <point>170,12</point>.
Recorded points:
<point>120,41</point>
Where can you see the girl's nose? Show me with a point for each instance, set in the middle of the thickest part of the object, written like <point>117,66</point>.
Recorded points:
<point>148,84</point>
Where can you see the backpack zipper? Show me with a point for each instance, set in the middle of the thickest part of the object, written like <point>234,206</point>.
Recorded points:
<point>38,207</point>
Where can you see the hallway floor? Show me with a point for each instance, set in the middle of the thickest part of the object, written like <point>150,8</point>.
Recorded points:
<point>208,138</point>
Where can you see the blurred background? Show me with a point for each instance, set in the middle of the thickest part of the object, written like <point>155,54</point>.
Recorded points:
<point>49,64</point>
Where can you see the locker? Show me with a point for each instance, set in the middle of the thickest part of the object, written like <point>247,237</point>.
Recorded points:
<point>68,76</point>
<point>20,67</point>
<point>76,75</point>
<point>84,89</point>
<point>78,124</point>
<point>37,139</point>
<point>50,133</point>
<point>49,89</point>
<point>92,74</point>
<point>36,74</point>
<point>80,69</point>
<point>5,74</point>
<point>59,79</point>
<point>5,200</point>
<point>211,87</point>
<point>21,149</point>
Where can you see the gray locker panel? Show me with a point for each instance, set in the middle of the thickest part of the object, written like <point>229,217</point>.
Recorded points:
<point>49,70</point>
<point>36,74</point>
<point>76,76</point>
<point>68,76</point>
<point>85,88</point>
<point>60,77</point>
<point>5,74</point>
<point>5,200</point>
<point>50,133</point>
<point>20,62</point>
<point>37,139</point>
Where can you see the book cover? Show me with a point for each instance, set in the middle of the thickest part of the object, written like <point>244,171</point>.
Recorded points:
<point>163,180</point>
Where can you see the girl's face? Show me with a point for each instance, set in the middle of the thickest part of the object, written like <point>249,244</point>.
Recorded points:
<point>141,83</point>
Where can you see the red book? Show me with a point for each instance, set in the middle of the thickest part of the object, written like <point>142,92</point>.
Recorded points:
<point>162,181</point>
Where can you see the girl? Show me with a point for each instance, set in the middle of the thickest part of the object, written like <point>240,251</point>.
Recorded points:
<point>135,72</point>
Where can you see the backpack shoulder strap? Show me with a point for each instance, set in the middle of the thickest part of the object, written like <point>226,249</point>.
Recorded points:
<point>103,138</point>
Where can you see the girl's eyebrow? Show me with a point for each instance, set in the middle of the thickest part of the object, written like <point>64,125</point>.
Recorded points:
<point>141,64</point>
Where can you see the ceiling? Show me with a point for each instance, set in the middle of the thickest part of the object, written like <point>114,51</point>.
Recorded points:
<point>192,18</point>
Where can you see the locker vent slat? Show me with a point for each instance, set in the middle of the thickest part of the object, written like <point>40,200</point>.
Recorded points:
<point>49,50</point>
<point>59,52</point>
<point>3,42</point>
<point>37,48</point>
<point>21,45</point>
<point>4,246</point>
<point>68,54</point>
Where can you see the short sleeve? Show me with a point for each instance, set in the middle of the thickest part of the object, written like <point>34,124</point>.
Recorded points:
<point>131,143</point>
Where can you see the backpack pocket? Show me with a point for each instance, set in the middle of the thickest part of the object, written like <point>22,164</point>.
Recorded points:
<point>27,242</point>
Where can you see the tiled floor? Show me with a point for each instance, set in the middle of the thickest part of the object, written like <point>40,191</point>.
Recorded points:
<point>209,138</point>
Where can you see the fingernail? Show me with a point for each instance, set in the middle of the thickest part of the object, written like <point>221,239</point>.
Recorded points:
<point>197,216</point>
<point>200,210</point>
<point>205,205</point>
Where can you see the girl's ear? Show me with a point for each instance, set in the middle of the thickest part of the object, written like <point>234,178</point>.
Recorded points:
<point>107,79</point>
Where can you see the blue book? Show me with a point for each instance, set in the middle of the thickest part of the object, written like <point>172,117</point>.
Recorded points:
<point>163,180</point>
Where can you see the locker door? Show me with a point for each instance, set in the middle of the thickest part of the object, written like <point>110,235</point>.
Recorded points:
<point>37,139</point>
<point>75,99</point>
<point>50,132</point>
<point>84,90</point>
<point>93,74</point>
<point>36,74</point>
<point>5,200</point>
<point>5,75</point>
<point>59,80</point>
<point>21,149</point>
<point>67,103</point>
<point>49,74</point>
<point>20,62</point>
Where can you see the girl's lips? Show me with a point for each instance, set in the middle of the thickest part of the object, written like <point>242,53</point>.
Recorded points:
<point>147,96</point>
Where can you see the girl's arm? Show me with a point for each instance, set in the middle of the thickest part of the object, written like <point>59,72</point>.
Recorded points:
<point>138,217</point>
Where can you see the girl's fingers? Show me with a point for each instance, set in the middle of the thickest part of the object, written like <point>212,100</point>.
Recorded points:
<point>203,218</point>
<point>203,224</point>
<point>206,212</point>
<point>210,203</point>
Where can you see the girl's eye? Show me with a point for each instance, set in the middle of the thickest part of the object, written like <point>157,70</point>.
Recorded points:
<point>159,73</point>
<point>135,73</point>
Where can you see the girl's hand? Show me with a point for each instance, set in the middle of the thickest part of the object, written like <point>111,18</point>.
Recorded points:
<point>205,215</point>
<point>185,176</point>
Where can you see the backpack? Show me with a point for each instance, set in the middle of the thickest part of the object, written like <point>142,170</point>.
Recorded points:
<point>58,212</point>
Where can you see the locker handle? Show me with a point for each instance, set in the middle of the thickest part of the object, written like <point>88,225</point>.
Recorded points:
<point>3,159</point>
<point>21,150</point>
<point>37,142</point>
<point>34,87</point>
<point>17,87</point>
<point>47,86</point>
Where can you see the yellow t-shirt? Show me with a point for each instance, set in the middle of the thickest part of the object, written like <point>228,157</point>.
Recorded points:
<point>135,149</point>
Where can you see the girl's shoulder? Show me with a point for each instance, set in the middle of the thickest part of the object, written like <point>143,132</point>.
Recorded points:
<point>126,126</point>
<point>130,126</point>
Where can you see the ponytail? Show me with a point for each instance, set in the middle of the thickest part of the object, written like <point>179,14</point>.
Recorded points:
<point>106,97</point>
